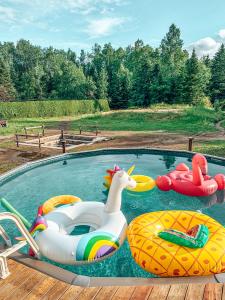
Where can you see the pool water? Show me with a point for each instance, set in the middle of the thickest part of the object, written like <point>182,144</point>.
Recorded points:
<point>83,176</point>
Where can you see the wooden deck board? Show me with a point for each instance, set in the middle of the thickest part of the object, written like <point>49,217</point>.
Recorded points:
<point>213,291</point>
<point>141,293</point>
<point>57,290</point>
<point>28,284</point>
<point>123,293</point>
<point>159,292</point>
<point>177,292</point>
<point>195,291</point>
<point>41,288</point>
<point>223,295</point>
<point>72,293</point>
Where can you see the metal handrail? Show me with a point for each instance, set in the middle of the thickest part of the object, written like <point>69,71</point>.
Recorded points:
<point>4,272</point>
<point>22,228</point>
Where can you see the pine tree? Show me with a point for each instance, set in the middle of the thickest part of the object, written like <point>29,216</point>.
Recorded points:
<point>7,90</point>
<point>173,58</point>
<point>197,77</point>
<point>102,84</point>
<point>218,75</point>
<point>120,88</point>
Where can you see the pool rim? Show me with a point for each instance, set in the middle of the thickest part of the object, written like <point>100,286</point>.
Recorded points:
<point>87,281</point>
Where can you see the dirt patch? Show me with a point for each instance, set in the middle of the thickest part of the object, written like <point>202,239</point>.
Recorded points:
<point>12,156</point>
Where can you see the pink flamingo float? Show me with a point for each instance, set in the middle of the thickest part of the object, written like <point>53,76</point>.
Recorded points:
<point>193,182</point>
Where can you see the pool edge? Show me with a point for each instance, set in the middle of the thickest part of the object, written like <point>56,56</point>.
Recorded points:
<point>87,281</point>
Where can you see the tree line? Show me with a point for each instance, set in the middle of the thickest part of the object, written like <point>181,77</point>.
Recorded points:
<point>137,75</point>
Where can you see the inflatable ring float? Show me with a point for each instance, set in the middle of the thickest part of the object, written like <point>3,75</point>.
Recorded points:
<point>53,202</point>
<point>164,258</point>
<point>144,183</point>
<point>56,232</point>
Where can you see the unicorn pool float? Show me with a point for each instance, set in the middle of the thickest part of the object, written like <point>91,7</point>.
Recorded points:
<point>143,183</point>
<point>195,182</point>
<point>53,227</point>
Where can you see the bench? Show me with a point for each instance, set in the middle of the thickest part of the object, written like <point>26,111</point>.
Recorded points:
<point>3,123</point>
<point>89,129</point>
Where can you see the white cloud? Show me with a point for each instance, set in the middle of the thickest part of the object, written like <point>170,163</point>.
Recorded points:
<point>205,46</point>
<point>7,14</point>
<point>222,33</point>
<point>103,27</point>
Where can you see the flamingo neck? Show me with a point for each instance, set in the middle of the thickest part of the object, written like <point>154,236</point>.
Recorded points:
<point>113,203</point>
<point>197,174</point>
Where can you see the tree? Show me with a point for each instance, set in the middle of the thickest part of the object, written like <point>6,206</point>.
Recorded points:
<point>217,84</point>
<point>120,88</point>
<point>7,90</point>
<point>173,58</point>
<point>102,84</point>
<point>197,77</point>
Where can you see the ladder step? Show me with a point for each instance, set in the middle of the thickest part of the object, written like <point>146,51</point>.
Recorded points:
<point>13,249</point>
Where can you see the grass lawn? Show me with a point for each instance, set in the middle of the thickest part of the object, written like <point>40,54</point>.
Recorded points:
<point>216,147</point>
<point>189,120</point>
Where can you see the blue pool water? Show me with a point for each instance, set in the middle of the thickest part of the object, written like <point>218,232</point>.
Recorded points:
<point>83,176</point>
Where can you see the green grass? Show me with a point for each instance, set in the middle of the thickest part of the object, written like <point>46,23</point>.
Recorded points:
<point>190,120</point>
<point>216,147</point>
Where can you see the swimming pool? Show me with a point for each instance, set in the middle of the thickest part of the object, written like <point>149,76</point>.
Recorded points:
<point>82,174</point>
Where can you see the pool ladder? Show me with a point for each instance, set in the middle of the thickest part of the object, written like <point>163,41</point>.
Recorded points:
<point>4,271</point>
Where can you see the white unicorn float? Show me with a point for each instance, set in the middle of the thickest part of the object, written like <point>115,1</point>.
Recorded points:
<point>52,231</point>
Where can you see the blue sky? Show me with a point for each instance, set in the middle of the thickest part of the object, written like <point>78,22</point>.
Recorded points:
<point>78,24</point>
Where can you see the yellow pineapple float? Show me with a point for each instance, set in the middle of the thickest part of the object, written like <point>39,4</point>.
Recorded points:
<point>164,258</point>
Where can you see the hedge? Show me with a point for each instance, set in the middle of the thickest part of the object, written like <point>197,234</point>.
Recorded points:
<point>51,108</point>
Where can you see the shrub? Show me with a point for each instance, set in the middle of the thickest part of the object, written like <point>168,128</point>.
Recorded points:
<point>219,105</point>
<point>50,108</point>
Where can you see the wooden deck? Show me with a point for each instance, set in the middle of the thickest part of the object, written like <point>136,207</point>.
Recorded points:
<point>26,283</point>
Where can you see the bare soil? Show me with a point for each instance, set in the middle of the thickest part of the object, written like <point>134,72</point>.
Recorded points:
<point>12,156</point>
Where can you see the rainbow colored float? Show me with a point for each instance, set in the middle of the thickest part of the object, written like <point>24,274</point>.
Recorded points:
<point>143,183</point>
<point>59,216</point>
<point>193,182</point>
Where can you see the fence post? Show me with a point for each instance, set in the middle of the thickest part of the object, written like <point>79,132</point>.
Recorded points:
<point>62,134</point>
<point>39,141</point>
<point>17,140</point>
<point>43,130</point>
<point>25,130</point>
<point>190,143</point>
<point>63,146</point>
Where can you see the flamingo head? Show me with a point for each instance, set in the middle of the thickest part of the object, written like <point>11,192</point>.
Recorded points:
<point>201,161</point>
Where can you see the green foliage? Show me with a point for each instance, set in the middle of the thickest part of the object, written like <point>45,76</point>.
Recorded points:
<point>135,76</point>
<point>219,105</point>
<point>7,91</point>
<point>196,78</point>
<point>218,75</point>
<point>51,108</point>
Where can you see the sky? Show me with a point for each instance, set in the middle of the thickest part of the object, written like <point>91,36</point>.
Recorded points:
<point>78,24</point>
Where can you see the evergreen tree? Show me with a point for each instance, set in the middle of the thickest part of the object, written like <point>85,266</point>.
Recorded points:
<point>7,90</point>
<point>218,75</point>
<point>102,84</point>
<point>197,77</point>
<point>172,61</point>
<point>120,88</point>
